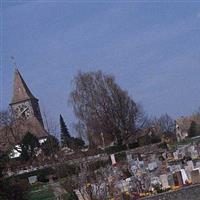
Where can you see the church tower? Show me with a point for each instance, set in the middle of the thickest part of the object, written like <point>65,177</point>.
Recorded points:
<point>24,105</point>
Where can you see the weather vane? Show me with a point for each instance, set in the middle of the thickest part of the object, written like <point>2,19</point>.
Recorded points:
<point>13,59</point>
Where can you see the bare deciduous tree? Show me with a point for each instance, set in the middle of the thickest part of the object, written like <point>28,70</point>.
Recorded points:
<point>166,123</point>
<point>5,117</point>
<point>50,125</point>
<point>10,132</point>
<point>102,106</point>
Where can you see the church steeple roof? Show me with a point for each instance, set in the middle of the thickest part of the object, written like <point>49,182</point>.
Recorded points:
<point>21,91</point>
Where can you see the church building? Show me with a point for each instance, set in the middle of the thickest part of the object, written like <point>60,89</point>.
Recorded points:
<point>26,116</point>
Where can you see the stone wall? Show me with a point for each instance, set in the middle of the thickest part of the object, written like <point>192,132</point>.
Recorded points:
<point>188,193</point>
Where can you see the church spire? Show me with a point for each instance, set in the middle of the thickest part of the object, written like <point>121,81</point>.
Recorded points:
<point>21,91</point>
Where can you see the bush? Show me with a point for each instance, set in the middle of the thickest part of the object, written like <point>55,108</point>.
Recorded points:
<point>66,170</point>
<point>133,145</point>
<point>13,189</point>
<point>29,146</point>
<point>116,148</point>
<point>163,145</point>
<point>71,196</point>
<point>120,156</point>
<point>192,132</point>
<point>42,177</point>
<point>98,164</point>
<point>71,183</point>
<point>50,146</point>
<point>148,139</point>
<point>3,161</point>
<point>155,139</point>
<point>144,140</point>
<point>159,188</point>
<point>43,174</point>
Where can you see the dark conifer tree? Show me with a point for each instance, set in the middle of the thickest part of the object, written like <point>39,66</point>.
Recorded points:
<point>192,132</point>
<point>29,146</point>
<point>50,146</point>
<point>64,135</point>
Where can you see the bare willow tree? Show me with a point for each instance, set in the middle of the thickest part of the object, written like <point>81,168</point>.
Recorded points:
<point>10,132</point>
<point>103,107</point>
<point>166,123</point>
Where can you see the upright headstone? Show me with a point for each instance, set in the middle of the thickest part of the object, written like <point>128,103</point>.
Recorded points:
<point>164,181</point>
<point>190,165</point>
<point>178,181</point>
<point>194,154</point>
<point>195,176</point>
<point>32,179</point>
<point>142,166</point>
<point>170,180</point>
<point>129,157</point>
<point>152,166</point>
<point>184,176</point>
<point>112,156</point>
<point>197,164</point>
<point>175,154</point>
<point>191,148</point>
<point>175,167</point>
<point>188,170</point>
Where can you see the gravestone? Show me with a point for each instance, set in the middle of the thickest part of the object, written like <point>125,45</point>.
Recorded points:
<point>112,156</point>
<point>32,179</point>
<point>195,176</point>
<point>164,181</point>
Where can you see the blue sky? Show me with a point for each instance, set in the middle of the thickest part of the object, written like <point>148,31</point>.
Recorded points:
<point>152,48</point>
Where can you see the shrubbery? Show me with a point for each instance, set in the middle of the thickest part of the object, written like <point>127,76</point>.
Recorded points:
<point>163,145</point>
<point>71,196</point>
<point>116,148</point>
<point>13,189</point>
<point>148,139</point>
<point>120,156</point>
<point>66,170</point>
<point>98,164</point>
<point>133,145</point>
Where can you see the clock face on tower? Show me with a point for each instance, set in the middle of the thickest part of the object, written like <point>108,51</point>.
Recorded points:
<point>22,110</point>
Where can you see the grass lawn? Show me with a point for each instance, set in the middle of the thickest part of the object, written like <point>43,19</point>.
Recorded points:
<point>40,192</point>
